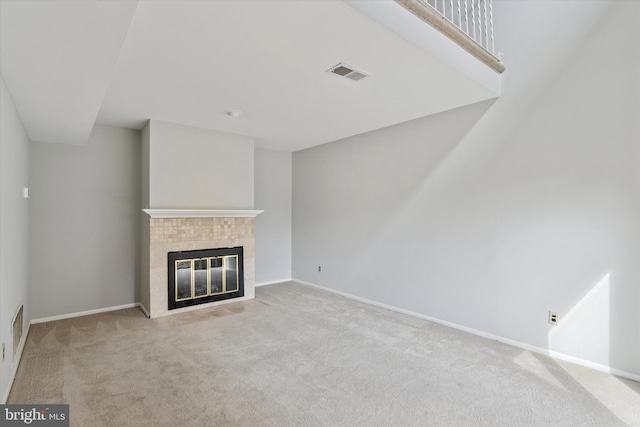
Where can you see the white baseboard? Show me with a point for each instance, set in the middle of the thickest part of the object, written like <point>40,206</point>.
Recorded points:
<point>86,313</point>
<point>524,346</point>
<point>273,282</point>
<point>16,364</point>
<point>5,396</point>
<point>144,310</point>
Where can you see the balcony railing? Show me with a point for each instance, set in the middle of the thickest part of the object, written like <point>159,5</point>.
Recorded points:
<point>474,17</point>
<point>467,22</point>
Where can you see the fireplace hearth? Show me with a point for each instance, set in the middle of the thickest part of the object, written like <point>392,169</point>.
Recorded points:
<point>203,276</point>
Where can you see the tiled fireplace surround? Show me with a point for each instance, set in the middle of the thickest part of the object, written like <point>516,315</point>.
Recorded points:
<point>172,234</point>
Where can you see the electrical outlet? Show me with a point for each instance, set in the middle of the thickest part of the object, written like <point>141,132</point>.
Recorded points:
<point>319,269</point>
<point>553,317</point>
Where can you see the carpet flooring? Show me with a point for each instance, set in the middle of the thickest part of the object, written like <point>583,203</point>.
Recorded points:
<point>299,356</point>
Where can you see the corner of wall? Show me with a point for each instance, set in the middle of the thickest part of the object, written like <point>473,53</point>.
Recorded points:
<point>14,230</point>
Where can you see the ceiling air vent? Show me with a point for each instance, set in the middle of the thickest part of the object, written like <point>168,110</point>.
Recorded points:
<point>347,71</point>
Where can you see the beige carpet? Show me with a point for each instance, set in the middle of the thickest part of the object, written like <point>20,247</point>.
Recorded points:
<point>297,356</point>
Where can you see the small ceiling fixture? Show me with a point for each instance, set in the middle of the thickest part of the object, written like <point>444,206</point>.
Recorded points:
<point>347,71</point>
<point>234,113</point>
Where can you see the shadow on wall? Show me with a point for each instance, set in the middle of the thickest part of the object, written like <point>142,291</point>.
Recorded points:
<point>408,217</point>
<point>586,329</point>
<point>357,189</point>
<point>382,173</point>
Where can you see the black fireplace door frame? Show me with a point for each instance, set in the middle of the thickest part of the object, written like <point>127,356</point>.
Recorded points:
<point>203,253</point>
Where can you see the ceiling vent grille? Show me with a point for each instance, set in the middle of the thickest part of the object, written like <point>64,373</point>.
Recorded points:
<point>347,71</point>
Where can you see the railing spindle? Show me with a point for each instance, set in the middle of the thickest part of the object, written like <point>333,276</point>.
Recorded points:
<point>466,17</point>
<point>486,27</point>
<point>479,39</point>
<point>473,19</point>
<point>479,27</point>
<point>493,45</point>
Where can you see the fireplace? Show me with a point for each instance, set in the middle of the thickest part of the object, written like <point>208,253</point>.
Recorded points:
<point>202,276</point>
<point>204,200</point>
<point>189,234</point>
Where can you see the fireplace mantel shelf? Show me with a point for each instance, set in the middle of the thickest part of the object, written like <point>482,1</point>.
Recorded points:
<point>201,213</point>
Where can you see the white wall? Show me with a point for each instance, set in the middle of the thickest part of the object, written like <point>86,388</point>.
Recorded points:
<point>199,168</point>
<point>490,222</point>
<point>273,226</point>
<point>84,223</point>
<point>14,146</point>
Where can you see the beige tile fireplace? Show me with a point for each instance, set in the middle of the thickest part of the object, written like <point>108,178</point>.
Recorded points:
<point>173,230</point>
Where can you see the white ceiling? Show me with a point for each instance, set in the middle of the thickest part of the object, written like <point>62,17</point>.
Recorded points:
<point>188,61</point>
<point>57,58</point>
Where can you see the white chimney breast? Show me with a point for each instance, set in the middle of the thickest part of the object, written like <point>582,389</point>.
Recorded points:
<point>195,168</point>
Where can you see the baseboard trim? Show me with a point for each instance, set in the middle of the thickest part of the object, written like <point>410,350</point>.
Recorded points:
<point>519,344</point>
<point>14,369</point>
<point>86,313</point>
<point>144,310</point>
<point>23,341</point>
<point>273,282</point>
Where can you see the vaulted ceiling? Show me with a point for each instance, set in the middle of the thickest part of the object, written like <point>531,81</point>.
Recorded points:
<point>70,64</point>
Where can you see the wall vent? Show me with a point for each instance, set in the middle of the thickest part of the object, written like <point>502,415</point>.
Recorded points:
<point>348,72</point>
<point>16,327</point>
